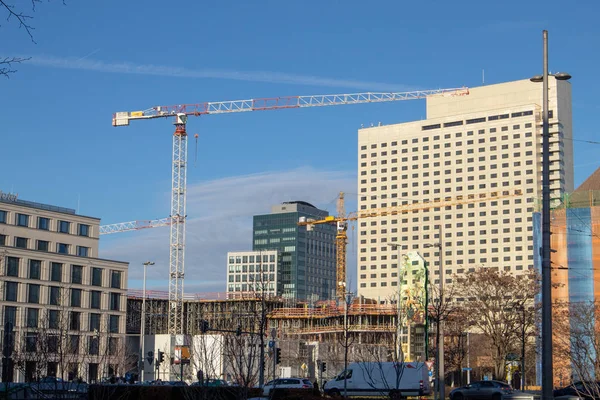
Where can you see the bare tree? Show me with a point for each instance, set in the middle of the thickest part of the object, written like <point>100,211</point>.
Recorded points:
<point>15,13</point>
<point>577,348</point>
<point>493,303</point>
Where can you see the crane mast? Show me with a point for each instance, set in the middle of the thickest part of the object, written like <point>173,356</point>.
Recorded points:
<point>179,172</point>
<point>341,242</point>
<point>178,216</point>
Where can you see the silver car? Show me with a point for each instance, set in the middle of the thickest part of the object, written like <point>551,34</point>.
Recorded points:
<point>488,390</point>
<point>287,383</point>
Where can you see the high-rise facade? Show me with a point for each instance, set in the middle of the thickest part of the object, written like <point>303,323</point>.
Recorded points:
<point>486,141</point>
<point>251,273</point>
<point>306,258</point>
<point>63,308</point>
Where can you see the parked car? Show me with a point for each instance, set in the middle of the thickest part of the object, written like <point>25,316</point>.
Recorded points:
<point>287,383</point>
<point>211,383</point>
<point>581,389</point>
<point>488,390</point>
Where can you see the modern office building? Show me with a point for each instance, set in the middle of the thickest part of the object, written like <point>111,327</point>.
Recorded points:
<point>63,308</point>
<point>307,257</point>
<point>488,140</point>
<point>251,273</point>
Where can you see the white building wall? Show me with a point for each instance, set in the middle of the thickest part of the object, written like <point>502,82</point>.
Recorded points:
<point>486,141</point>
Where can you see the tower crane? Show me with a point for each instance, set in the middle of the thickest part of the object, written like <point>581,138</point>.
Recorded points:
<point>181,112</point>
<point>342,219</point>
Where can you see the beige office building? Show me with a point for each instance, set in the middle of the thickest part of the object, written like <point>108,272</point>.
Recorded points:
<point>63,308</point>
<point>485,141</point>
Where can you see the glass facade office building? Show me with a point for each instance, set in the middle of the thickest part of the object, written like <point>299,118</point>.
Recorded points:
<point>307,258</point>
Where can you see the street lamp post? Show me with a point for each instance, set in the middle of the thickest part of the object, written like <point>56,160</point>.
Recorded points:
<point>399,352</point>
<point>440,330</point>
<point>547,369</point>
<point>347,301</point>
<point>143,324</point>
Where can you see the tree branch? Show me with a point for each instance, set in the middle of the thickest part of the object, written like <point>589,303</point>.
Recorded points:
<point>6,64</point>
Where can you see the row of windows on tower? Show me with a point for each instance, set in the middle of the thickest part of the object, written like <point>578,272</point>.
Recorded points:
<point>459,143</point>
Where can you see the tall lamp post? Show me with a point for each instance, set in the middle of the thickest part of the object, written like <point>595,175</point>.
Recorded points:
<point>399,352</point>
<point>547,370</point>
<point>440,329</point>
<point>143,324</point>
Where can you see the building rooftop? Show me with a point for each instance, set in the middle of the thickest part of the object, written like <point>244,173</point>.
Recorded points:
<point>591,183</point>
<point>8,198</point>
<point>299,202</point>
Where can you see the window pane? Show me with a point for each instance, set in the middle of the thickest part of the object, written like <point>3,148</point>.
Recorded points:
<point>32,317</point>
<point>12,266</point>
<point>94,322</point>
<point>115,280</point>
<point>22,220</point>
<point>54,296</point>
<point>94,345</point>
<point>62,248</point>
<point>75,297</point>
<point>43,223</point>
<point>35,267</point>
<point>74,323</point>
<point>114,324</point>
<point>96,276</point>
<point>64,226</point>
<point>76,274</point>
<point>10,315</point>
<point>33,294</point>
<point>2,240</point>
<point>82,251</point>
<point>56,272</point>
<point>21,242</point>
<point>95,299</point>
<point>53,319</point>
<point>84,230</point>
<point>11,291</point>
<point>73,344</point>
<point>2,217</point>
<point>42,245</point>
<point>115,301</point>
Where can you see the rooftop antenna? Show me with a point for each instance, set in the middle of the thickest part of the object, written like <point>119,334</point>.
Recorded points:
<point>483,77</point>
<point>78,199</point>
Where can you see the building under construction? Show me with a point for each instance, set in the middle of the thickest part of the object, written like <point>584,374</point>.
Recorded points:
<point>308,334</point>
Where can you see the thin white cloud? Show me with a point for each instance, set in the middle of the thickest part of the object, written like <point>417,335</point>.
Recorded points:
<point>87,64</point>
<point>220,220</point>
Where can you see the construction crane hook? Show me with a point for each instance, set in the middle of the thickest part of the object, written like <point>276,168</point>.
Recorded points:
<point>196,153</point>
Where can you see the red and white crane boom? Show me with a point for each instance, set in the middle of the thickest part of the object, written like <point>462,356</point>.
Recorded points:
<point>278,103</point>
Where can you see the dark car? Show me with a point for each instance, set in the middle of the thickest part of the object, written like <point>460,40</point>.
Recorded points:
<point>488,390</point>
<point>581,389</point>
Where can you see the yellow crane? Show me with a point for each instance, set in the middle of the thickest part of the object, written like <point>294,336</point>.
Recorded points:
<point>341,238</point>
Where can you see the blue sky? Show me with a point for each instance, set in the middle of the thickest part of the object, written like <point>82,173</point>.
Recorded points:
<point>92,59</point>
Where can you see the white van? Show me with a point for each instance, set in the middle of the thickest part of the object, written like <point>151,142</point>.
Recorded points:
<point>394,379</point>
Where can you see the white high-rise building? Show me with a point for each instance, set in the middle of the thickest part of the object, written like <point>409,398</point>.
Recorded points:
<point>488,140</point>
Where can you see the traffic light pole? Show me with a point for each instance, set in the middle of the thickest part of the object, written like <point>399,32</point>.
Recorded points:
<point>274,357</point>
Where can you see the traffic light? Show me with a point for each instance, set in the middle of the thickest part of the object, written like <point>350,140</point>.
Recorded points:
<point>204,327</point>
<point>323,366</point>
<point>277,355</point>
<point>238,331</point>
<point>161,356</point>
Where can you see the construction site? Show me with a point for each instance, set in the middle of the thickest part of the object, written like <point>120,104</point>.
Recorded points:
<point>306,334</point>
